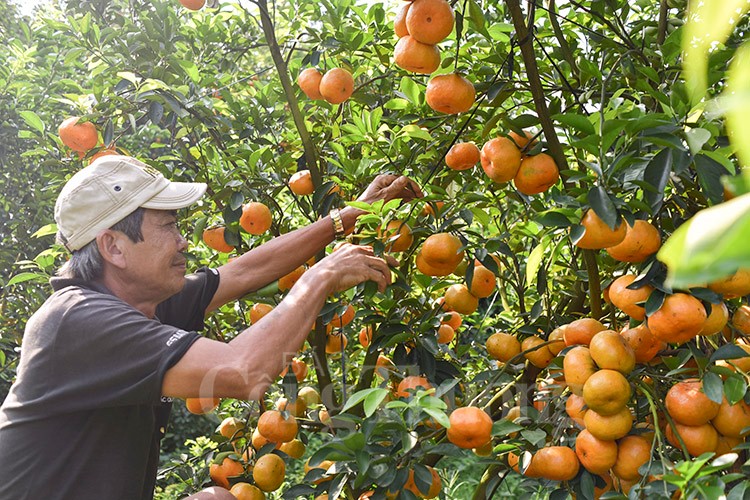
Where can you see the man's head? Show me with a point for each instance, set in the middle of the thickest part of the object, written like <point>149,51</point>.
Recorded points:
<point>108,195</point>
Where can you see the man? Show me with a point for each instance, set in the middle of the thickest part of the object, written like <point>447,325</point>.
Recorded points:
<point>101,358</point>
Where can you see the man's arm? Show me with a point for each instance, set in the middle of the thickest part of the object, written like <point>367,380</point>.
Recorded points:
<point>246,366</point>
<point>278,257</point>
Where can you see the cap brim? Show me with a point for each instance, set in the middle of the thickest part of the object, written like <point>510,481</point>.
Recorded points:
<point>176,195</point>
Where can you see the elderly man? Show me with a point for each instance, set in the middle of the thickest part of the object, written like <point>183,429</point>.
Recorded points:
<point>104,355</point>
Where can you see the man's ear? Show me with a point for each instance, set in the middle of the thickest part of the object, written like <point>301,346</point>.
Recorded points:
<point>110,247</point>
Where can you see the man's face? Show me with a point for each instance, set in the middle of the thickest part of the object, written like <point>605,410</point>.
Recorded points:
<point>157,262</point>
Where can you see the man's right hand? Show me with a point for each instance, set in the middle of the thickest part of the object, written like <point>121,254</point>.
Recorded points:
<point>351,265</point>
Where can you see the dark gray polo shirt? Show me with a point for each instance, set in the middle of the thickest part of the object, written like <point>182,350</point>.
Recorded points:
<point>85,416</point>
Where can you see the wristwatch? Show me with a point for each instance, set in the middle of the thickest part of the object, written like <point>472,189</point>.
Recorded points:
<point>338,223</point>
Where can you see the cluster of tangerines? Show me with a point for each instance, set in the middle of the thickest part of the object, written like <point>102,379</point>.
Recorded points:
<point>82,137</point>
<point>335,86</point>
<point>504,159</point>
<point>256,219</point>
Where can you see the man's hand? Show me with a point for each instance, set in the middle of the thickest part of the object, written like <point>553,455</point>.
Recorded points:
<point>388,187</point>
<point>351,265</point>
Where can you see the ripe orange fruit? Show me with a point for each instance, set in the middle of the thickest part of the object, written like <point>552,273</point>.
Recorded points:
<point>193,4</point>
<point>578,366</point>
<point>463,156</point>
<point>417,57</point>
<point>294,448</point>
<point>287,281</point>
<point>310,395</point>
<point>732,419</point>
<point>611,351</point>
<point>442,250</point>
<point>482,282</point>
<point>598,234</point>
<point>536,174</point>
<point>632,452</point>
<point>299,368</point>
<point>459,299</point>
<point>410,385</point>
<point>335,342</point>
<point>521,141</point>
<point>324,465</point>
<point>221,472</point>
<point>736,285</point>
<point>231,427</point>
<point>470,427</point>
<point>301,183</point>
<point>246,491</point>
<point>430,21</point>
<point>214,238</point>
<point>688,404</point>
<point>269,471</point>
<point>596,455</point>
<point>273,426</point>
<point>627,299</point>
<point>309,81</point>
<point>503,346</point>
<point>556,463</point>
<point>679,319</point>
<point>716,320</point>
<point>576,409</point>
<point>698,439</point>
<point>445,334</point>
<point>256,218</point>
<point>384,367</point>
<point>500,159</point>
<point>452,319</point>
<point>295,409</point>
<point>199,406</point>
<point>337,85</point>
<point>540,357</point>
<point>557,339</point>
<point>399,23</point>
<point>449,94</point>
<point>739,363</point>
<point>641,240</point>
<point>608,427</point>
<point>430,270</point>
<point>397,236</point>
<point>435,486</point>
<point>102,152</point>
<point>365,336</point>
<point>258,311</point>
<point>343,320</point>
<point>642,341</point>
<point>606,392</point>
<point>581,331</point>
<point>78,136</point>
<point>727,444</point>
<point>741,319</point>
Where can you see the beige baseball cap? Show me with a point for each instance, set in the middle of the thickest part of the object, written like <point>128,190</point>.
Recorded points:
<point>110,189</point>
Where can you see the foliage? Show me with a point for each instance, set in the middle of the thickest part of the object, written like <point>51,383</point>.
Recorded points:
<point>207,96</point>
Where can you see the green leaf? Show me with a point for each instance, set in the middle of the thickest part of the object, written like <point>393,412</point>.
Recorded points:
<point>696,138</point>
<point>738,91</point>
<point>534,262</point>
<point>709,246</point>
<point>358,397</point>
<point>439,416</point>
<point>728,351</point>
<point>191,70</point>
<point>735,388</point>
<point>410,90</point>
<point>46,230</point>
<point>709,23</point>
<point>603,206</point>
<point>713,387</point>
<point>578,122</point>
<point>24,277</point>
<point>373,401</point>
<point>32,120</point>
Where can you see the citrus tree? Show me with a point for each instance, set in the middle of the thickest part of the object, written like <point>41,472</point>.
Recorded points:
<point>531,342</point>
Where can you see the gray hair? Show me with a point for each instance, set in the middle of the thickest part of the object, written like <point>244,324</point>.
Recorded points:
<point>86,263</point>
